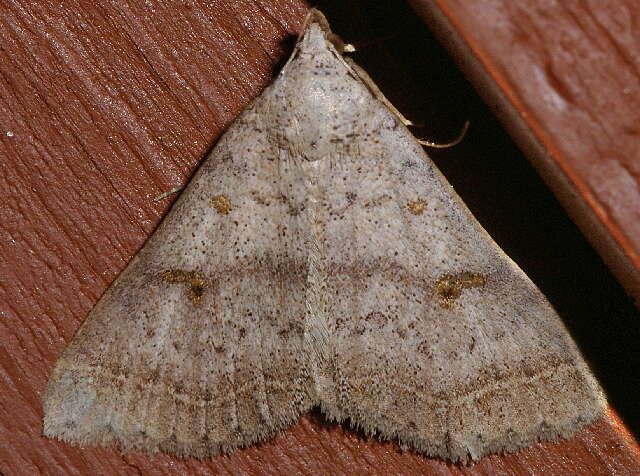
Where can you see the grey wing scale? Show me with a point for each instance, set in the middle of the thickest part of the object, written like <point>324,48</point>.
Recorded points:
<point>435,336</point>
<point>438,338</point>
<point>197,346</point>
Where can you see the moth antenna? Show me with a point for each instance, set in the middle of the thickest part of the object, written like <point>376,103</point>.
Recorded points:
<point>446,145</point>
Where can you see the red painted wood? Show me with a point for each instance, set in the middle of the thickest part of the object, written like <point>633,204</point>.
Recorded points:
<point>564,78</point>
<point>105,105</point>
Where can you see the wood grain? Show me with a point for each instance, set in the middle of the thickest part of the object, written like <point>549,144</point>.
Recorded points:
<point>105,105</point>
<point>563,77</point>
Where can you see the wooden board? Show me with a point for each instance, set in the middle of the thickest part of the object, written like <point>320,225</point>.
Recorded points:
<point>562,76</point>
<point>105,105</point>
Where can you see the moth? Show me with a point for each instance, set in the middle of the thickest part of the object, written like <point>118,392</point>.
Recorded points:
<point>319,258</point>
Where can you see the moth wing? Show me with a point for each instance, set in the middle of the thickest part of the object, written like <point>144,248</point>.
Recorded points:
<point>437,337</point>
<point>197,346</point>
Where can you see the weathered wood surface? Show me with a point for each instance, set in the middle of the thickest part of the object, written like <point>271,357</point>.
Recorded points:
<point>563,77</point>
<point>107,104</point>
